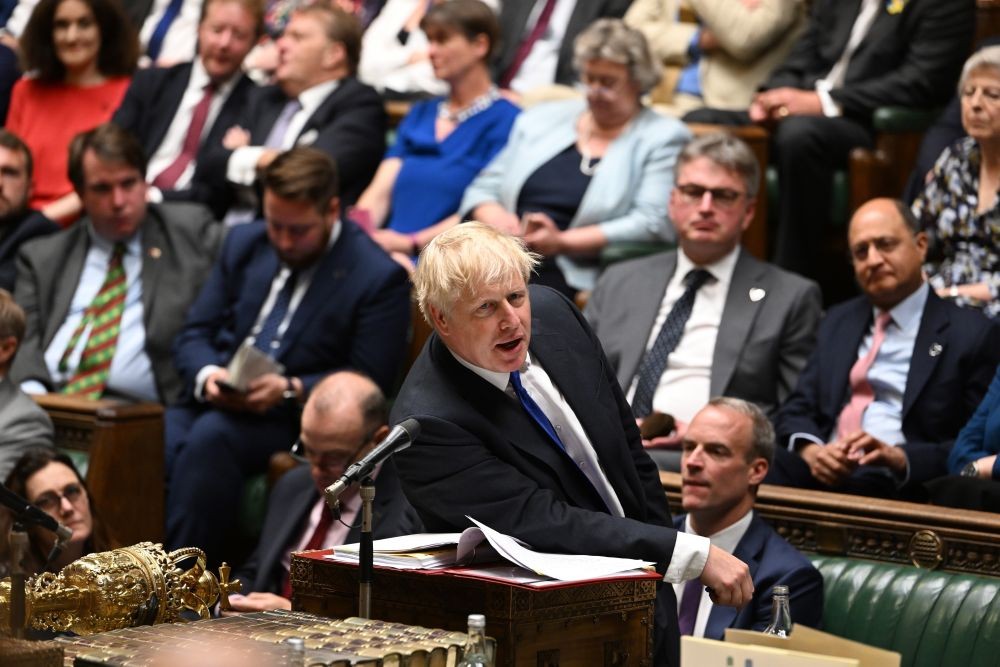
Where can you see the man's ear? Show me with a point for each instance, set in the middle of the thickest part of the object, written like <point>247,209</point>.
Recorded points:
<point>758,471</point>
<point>8,347</point>
<point>438,321</point>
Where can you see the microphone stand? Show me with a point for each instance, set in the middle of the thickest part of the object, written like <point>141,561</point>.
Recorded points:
<point>367,555</point>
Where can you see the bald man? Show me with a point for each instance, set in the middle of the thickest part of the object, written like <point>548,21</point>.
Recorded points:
<point>895,375</point>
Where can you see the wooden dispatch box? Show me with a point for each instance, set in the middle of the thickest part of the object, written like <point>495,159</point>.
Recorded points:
<point>607,623</point>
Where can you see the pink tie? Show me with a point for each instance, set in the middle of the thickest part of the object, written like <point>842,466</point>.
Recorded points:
<point>862,393</point>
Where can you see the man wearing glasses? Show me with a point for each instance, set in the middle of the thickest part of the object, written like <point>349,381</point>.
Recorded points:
<point>896,373</point>
<point>707,319</point>
<point>344,418</point>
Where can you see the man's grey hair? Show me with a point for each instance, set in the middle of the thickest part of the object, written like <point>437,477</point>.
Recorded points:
<point>612,40</point>
<point>729,153</point>
<point>762,440</point>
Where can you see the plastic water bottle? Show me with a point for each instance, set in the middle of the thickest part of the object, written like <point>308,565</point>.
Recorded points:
<point>781,617</point>
<point>474,654</point>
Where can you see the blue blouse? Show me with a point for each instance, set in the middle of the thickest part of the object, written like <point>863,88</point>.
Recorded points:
<point>434,174</point>
<point>981,435</point>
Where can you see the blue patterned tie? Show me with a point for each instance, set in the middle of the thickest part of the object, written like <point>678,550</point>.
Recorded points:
<point>267,338</point>
<point>532,409</point>
<point>655,361</point>
<point>160,31</point>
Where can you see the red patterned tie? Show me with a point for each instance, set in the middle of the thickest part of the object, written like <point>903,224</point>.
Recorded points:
<point>167,179</point>
<point>862,393</point>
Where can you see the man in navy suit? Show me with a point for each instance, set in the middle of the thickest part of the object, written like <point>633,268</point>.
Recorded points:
<point>317,101</point>
<point>727,450</point>
<point>344,418</point>
<point>203,97</point>
<point>895,375</point>
<point>525,428</point>
<point>307,290</point>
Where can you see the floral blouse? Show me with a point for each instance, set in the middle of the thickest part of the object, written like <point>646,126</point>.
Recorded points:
<point>964,245</point>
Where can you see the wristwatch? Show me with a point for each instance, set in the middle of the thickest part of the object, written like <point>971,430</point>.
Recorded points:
<point>289,394</point>
<point>970,470</point>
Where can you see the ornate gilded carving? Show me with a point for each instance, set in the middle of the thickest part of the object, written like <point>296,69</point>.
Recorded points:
<point>137,585</point>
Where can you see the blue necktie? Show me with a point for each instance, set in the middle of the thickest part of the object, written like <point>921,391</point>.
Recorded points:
<point>532,409</point>
<point>160,32</point>
<point>267,338</point>
<point>655,361</point>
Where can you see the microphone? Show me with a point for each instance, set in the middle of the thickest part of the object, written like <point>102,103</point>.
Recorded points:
<point>30,514</point>
<point>400,437</point>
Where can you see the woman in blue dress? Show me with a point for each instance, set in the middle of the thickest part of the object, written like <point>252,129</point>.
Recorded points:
<point>443,143</point>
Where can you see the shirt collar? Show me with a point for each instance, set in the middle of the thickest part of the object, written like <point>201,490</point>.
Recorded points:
<point>729,537</point>
<point>721,270</point>
<point>499,379</point>
<point>311,98</point>
<point>199,79</point>
<point>907,313</point>
<point>133,246</point>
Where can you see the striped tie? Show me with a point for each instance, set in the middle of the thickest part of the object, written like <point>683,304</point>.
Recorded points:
<point>104,316</point>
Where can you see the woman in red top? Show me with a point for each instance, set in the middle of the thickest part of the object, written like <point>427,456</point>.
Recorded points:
<point>79,55</point>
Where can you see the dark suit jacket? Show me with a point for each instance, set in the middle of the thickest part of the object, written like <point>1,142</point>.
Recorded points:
<point>480,454</point>
<point>31,225</point>
<point>908,59</point>
<point>288,506</point>
<point>179,243</point>
<point>150,105</point>
<point>772,562</point>
<point>23,426</point>
<point>514,18</point>
<point>349,125</point>
<point>954,356</point>
<point>355,314</point>
<point>761,346</point>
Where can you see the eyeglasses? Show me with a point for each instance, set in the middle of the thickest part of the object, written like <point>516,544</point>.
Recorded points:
<point>327,460</point>
<point>600,85</point>
<point>721,197</point>
<point>883,245</point>
<point>48,502</point>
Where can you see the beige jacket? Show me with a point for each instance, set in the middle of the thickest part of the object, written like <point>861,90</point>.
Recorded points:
<point>754,40</point>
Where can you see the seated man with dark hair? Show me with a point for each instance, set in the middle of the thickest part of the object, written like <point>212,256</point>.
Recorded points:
<point>728,449</point>
<point>896,372</point>
<point>18,222</point>
<point>310,292</point>
<point>344,418</point>
<point>105,298</point>
<point>23,425</point>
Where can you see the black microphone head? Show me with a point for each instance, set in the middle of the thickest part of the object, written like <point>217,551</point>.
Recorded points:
<point>411,426</point>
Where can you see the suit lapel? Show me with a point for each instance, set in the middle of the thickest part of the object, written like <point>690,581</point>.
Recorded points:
<point>844,351</point>
<point>257,282</point>
<point>271,104</point>
<point>297,512</point>
<point>65,285</point>
<point>931,342</point>
<point>171,95</point>
<point>748,550</point>
<point>738,317</point>
<point>648,298</point>
<point>152,265</point>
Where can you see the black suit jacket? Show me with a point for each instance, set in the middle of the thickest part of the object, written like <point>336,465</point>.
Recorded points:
<point>954,356</point>
<point>149,107</point>
<point>33,224</point>
<point>514,19</point>
<point>480,454</point>
<point>178,241</point>
<point>908,59</point>
<point>292,497</point>
<point>349,125</point>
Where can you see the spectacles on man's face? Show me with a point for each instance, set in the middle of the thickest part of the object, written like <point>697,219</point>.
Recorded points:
<point>50,501</point>
<point>332,460</point>
<point>692,193</point>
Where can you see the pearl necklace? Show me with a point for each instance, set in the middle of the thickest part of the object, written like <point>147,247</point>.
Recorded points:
<point>481,103</point>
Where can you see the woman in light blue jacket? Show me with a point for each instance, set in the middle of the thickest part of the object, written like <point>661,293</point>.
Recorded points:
<point>579,174</point>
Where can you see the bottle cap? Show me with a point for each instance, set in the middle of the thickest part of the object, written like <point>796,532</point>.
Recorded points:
<point>781,590</point>
<point>477,621</point>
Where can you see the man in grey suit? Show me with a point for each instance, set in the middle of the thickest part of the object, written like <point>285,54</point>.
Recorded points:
<point>749,326</point>
<point>23,425</point>
<point>164,252</point>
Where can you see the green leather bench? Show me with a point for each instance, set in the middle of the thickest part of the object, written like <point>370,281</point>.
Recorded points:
<point>932,618</point>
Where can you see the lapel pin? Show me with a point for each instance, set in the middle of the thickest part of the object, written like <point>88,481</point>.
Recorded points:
<point>935,349</point>
<point>307,138</point>
<point>155,252</point>
<point>756,294</point>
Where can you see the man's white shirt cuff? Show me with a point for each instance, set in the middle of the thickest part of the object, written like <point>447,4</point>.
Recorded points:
<point>830,108</point>
<point>689,558</point>
<point>199,381</point>
<point>242,165</point>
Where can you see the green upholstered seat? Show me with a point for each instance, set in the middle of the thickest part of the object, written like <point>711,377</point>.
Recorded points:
<point>933,619</point>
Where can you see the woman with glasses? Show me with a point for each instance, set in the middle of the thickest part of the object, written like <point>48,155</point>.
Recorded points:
<point>579,174</point>
<point>960,205</point>
<point>48,480</point>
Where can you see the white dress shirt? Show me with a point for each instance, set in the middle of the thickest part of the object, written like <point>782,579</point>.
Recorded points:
<point>726,539</point>
<point>835,79</point>
<point>685,385</point>
<point>539,68</point>
<point>690,551</point>
<point>173,140</point>
<point>131,372</point>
